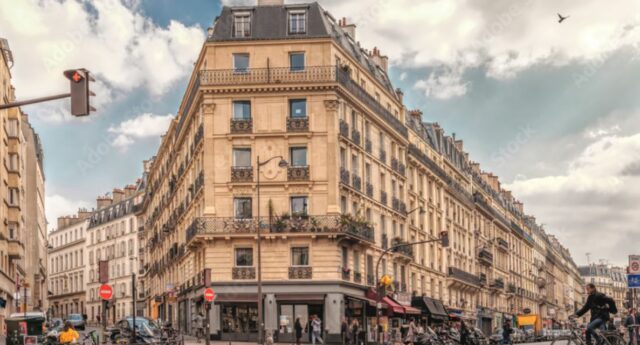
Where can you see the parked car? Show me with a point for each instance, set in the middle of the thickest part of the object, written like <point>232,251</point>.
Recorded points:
<point>147,331</point>
<point>77,321</point>
<point>518,336</point>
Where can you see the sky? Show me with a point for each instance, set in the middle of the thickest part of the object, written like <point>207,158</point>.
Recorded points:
<point>551,108</point>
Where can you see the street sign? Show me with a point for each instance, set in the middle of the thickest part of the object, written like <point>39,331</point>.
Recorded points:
<point>209,294</point>
<point>634,264</point>
<point>633,280</point>
<point>105,292</point>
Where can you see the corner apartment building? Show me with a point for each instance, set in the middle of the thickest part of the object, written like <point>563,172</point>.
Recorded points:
<point>68,265</point>
<point>22,211</point>
<point>290,82</point>
<point>112,236</point>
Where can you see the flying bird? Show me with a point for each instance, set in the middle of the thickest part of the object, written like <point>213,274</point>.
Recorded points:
<point>561,18</point>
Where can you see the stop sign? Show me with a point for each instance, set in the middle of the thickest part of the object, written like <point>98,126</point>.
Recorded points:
<point>209,295</point>
<point>105,292</point>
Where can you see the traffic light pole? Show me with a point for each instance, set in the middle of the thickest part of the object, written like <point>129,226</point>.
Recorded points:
<point>378,294</point>
<point>34,101</point>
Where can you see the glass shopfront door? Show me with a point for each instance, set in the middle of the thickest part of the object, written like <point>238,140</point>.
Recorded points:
<point>239,321</point>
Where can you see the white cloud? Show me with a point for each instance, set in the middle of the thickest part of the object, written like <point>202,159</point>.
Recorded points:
<point>58,206</point>
<point>503,36</point>
<point>122,48</point>
<point>592,206</point>
<point>443,84</point>
<point>143,126</point>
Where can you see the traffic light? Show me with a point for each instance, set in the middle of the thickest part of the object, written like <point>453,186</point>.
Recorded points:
<point>444,238</point>
<point>79,86</point>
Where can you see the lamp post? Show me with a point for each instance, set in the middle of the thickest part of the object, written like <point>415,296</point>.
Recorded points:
<point>282,164</point>
<point>133,297</point>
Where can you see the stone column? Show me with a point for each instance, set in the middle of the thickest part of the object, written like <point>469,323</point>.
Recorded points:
<point>207,111</point>
<point>334,309</point>
<point>214,319</point>
<point>270,314</point>
<point>333,156</point>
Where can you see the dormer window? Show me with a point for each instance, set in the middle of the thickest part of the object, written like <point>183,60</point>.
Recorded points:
<point>297,22</point>
<point>242,24</point>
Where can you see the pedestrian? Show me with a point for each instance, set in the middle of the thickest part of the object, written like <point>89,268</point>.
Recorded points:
<point>198,325</point>
<point>411,332</point>
<point>630,324</point>
<point>600,306</point>
<point>316,330</point>
<point>298,329</point>
<point>464,333</point>
<point>355,327</point>
<point>68,335</point>
<point>344,331</point>
<point>506,333</point>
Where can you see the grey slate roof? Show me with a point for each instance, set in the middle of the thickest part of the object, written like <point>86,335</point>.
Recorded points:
<point>270,23</point>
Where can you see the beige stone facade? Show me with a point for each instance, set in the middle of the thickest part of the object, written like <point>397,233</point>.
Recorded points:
<point>68,265</point>
<point>363,174</point>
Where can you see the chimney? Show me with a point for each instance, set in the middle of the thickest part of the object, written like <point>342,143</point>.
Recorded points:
<point>350,29</point>
<point>519,206</point>
<point>381,60</point>
<point>63,222</point>
<point>83,213</point>
<point>129,190</point>
<point>103,201</point>
<point>400,94</point>
<point>118,195</point>
<point>270,2</point>
<point>459,145</point>
<point>416,115</point>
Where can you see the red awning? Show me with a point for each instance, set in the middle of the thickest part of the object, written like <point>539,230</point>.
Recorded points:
<point>411,310</point>
<point>393,305</point>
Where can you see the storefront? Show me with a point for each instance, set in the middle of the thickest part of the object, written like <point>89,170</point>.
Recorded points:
<point>238,317</point>
<point>433,311</point>
<point>485,320</point>
<point>293,306</point>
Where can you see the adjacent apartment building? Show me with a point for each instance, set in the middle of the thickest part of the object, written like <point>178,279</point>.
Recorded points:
<point>68,265</point>
<point>22,239</point>
<point>285,95</point>
<point>112,236</point>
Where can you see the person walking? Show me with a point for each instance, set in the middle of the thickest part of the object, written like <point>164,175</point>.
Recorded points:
<point>316,329</point>
<point>464,333</point>
<point>298,329</point>
<point>355,329</point>
<point>411,332</point>
<point>600,306</point>
<point>344,331</point>
<point>68,335</point>
<point>630,325</point>
<point>198,320</point>
<point>506,333</point>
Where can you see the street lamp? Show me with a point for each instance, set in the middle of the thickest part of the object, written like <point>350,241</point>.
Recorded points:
<point>133,296</point>
<point>282,164</point>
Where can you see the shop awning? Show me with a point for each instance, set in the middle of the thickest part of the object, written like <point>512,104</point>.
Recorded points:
<point>432,307</point>
<point>527,320</point>
<point>369,300</point>
<point>411,310</point>
<point>393,305</point>
<point>299,297</point>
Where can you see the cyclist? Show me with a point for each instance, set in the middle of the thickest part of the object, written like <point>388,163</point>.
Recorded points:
<point>68,335</point>
<point>600,306</point>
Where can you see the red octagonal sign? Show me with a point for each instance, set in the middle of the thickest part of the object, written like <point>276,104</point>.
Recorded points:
<point>209,295</point>
<point>105,292</point>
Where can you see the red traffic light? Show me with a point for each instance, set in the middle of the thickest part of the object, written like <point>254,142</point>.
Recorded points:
<point>76,77</point>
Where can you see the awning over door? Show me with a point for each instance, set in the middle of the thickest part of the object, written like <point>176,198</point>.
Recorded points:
<point>432,307</point>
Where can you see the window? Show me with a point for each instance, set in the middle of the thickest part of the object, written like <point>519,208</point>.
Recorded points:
<point>343,157</point>
<point>299,205</point>
<point>14,197</point>
<point>367,173</point>
<point>298,108</point>
<point>241,63</point>
<point>13,231</point>
<point>345,257</point>
<point>299,256</point>
<point>13,159</point>
<point>296,61</point>
<point>244,256</point>
<point>297,22</point>
<point>343,204</point>
<point>356,261</point>
<point>13,128</point>
<point>241,157</point>
<point>242,25</point>
<point>298,156</point>
<point>241,110</point>
<point>242,208</point>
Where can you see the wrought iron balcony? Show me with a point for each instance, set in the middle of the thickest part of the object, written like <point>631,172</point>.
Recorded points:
<point>498,283</point>
<point>241,174</point>
<point>225,226</point>
<point>355,136</point>
<point>502,244</point>
<point>464,276</point>
<point>511,288</point>
<point>369,190</point>
<point>300,272</point>
<point>483,279</point>
<point>383,156</point>
<point>199,135</point>
<point>394,164</point>
<point>356,182</point>
<point>367,145</point>
<point>346,273</point>
<point>357,277</point>
<point>404,250</point>
<point>344,176</point>
<point>485,257</point>
<point>344,129</point>
<point>399,206</point>
<point>242,273</point>
<point>370,280</point>
<point>298,173</point>
<point>241,126</point>
<point>383,197</point>
<point>298,124</point>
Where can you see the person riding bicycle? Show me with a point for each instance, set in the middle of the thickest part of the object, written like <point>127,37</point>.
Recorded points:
<point>68,335</point>
<point>600,306</point>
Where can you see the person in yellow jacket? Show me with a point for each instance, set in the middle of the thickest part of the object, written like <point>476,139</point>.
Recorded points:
<point>68,334</point>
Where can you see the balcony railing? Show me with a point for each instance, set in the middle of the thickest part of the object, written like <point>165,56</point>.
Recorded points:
<point>370,280</point>
<point>369,190</point>
<point>346,273</point>
<point>383,197</point>
<point>483,279</point>
<point>210,226</point>
<point>399,206</point>
<point>404,250</point>
<point>241,174</point>
<point>357,277</point>
<point>356,182</point>
<point>367,146</point>
<point>281,75</point>
<point>344,129</point>
<point>298,173</point>
<point>344,176</point>
<point>383,156</point>
<point>385,241</point>
<point>485,257</point>
<point>502,244</point>
<point>464,276</point>
<point>300,272</point>
<point>298,124</point>
<point>242,273</point>
<point>498,283</point>
<point>241,125</point>
<point>511,288</point>
<point>355,136</point>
